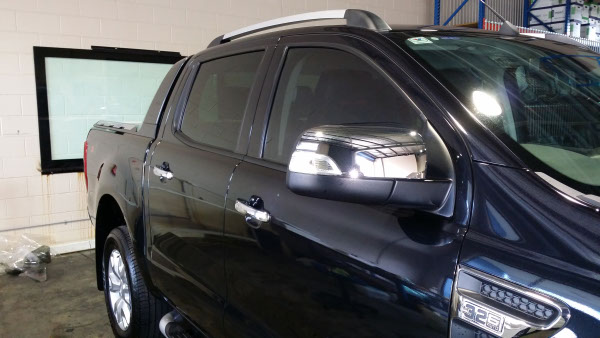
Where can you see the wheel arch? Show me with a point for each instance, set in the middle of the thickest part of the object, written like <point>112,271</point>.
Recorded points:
<point>109,215</point>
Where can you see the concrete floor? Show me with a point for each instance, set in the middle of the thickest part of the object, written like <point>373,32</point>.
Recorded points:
<point>66,305</point>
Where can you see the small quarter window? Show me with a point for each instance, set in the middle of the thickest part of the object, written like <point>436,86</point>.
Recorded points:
<point>217,102</point>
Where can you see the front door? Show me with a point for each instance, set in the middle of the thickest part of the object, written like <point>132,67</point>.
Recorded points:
<point>321,268</point>
<point>188,178</point>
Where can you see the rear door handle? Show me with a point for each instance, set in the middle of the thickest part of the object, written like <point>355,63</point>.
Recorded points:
<point>254,216</point>
<point>163,172</point>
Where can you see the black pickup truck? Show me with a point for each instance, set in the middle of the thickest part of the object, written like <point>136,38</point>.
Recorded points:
<point>356,180</point>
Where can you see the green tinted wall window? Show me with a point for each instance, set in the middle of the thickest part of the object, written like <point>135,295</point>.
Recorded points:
<point>77,88</point>
<point>82,92</point>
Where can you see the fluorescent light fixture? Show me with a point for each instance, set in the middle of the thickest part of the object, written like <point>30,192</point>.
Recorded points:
<point>354,173</point>
<point>485,104</point>
<point>311,146</point>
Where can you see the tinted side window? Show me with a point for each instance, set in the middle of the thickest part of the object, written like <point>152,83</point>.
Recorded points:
<point>215,109</point>
<point>320,86</point>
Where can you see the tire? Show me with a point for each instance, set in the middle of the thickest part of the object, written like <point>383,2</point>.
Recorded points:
<point>145,310</point>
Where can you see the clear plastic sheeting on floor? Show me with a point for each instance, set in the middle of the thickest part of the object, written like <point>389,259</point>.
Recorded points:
<point>22,255</point>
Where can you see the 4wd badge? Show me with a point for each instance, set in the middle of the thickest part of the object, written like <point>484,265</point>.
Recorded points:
<point>481,317</point>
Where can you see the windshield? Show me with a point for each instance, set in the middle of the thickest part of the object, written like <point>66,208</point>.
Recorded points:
<point>541,98</point>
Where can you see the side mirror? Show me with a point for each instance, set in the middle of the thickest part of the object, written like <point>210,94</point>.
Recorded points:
<point>369,164</point>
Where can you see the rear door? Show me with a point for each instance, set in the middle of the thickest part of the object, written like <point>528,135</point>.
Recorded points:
<point>204,138</point>
<point>323,268</point>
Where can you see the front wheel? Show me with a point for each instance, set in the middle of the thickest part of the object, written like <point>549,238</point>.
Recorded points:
<point>133,311</point>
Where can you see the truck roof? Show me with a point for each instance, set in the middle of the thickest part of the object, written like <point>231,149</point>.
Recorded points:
<point>355,19</point>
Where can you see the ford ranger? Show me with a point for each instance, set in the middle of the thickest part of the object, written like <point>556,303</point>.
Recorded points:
<point>356,180</point>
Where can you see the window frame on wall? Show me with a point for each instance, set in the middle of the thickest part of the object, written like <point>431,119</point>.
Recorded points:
<point>48,165</point>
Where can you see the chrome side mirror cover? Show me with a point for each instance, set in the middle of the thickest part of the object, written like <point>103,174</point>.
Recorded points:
<point>361,151</point>
<point>369,164</point>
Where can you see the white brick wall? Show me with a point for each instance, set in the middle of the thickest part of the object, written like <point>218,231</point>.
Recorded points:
<point>54,206</point>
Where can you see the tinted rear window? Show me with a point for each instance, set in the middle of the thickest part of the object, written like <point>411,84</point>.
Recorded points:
<point>217,102</point>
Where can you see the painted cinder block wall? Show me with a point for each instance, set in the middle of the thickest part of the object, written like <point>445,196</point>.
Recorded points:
<point>54,206</point>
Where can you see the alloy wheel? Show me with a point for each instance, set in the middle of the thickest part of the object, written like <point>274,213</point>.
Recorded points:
<point>118,288</point>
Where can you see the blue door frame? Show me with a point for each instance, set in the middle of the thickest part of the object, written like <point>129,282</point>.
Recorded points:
<point>527,14</point>
<point>436,13</point>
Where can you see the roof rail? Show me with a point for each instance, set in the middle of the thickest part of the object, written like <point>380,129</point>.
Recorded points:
<point>354,18</point>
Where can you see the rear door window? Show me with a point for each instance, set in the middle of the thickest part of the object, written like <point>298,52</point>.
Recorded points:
<point>215,109</point>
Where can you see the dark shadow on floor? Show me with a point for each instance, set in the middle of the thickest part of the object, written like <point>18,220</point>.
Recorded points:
<point>66,305</point>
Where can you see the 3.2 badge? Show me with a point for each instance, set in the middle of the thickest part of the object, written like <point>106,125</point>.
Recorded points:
<point>481,317</point>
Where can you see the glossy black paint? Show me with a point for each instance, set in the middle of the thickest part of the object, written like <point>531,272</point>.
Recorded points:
<point>347,269</point>
<point>399,67</point>
<point>352,269</point>
<point>527,233</point>
<point>123,189</point>
<point>185,215</point>
<point>327,268</point>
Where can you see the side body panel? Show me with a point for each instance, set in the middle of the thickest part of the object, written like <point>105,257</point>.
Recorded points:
<point>522,230</point>
<point>186,257</point>
<point>326,268</point>
<point>528,234</point>
<point>185,212</point>
<point>115,166</point>
<point>108,145</point>
<point>115,169</point>
<point>108,149</point>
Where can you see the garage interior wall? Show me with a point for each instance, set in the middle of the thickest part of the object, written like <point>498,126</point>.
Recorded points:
<point>53,207</point>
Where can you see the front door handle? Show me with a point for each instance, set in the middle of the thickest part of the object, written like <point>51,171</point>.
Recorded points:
<point>252,210</point>
<point>163,172</point>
